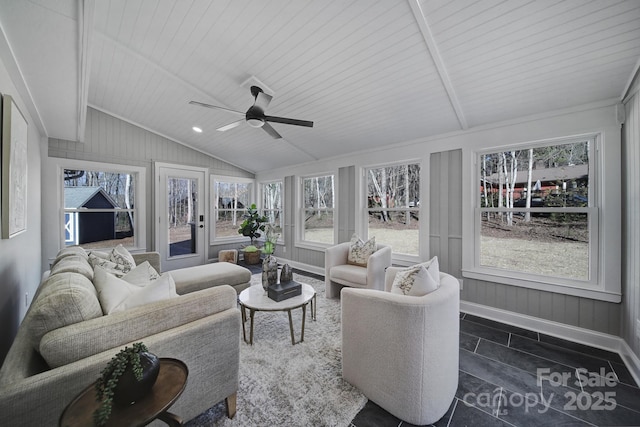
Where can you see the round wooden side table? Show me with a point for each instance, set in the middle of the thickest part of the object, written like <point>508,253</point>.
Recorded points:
<point>172,379</point>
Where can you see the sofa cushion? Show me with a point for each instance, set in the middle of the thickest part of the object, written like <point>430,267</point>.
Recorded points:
<point>65,298</point>
<point>73,264</point>
<point>116,294</point>
<point>117,262</point>
<point>158,290</point>
<point>121,256</point>
<point>199,277</point>
<point>71,251</point>
<point>141,275</point>
<point>359,251</point>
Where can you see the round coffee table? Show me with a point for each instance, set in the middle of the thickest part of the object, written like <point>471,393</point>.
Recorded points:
<point>255,299</point>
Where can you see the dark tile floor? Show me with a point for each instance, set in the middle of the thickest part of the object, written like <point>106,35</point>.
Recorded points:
<point>506,372</point>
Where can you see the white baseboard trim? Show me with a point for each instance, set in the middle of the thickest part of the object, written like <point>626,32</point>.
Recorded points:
<point>559,330</point>
<point>631,360</point>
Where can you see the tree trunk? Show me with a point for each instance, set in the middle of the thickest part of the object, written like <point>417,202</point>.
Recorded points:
<point>527,216</point>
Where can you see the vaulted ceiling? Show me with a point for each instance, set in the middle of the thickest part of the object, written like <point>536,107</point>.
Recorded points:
<point>367,73</point>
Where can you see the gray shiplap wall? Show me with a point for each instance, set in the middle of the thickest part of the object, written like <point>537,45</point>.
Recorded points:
<point>111,140</point>
<point>445,241</point>
<point>631,221</point>
<point>445,210</point>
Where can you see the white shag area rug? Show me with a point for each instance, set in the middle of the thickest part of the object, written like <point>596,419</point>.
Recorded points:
<point>294,385</point>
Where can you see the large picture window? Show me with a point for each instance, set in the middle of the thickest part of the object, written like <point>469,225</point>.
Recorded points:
<point>393,205</point>
<point>536,213</point>
<point>100,207</point>
<point>272,203</point>
<point>231,199</point>
<point>317,209</point>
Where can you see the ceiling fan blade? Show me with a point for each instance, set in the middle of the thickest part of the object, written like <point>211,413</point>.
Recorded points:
<point>271,131</point>
<point>262,100</point>
<point>230,126</point>
<point>215,107</point>
<point>287,121</point>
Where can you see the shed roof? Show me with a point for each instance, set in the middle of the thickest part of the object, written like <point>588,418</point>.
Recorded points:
<point>77,197</point>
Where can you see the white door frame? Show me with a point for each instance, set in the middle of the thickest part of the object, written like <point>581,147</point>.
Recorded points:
<point>160,225</point>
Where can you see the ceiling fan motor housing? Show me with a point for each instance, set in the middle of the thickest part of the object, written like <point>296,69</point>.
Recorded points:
<point>255,117</point>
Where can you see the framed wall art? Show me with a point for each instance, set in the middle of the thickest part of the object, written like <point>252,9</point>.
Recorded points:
<point>14,169</point>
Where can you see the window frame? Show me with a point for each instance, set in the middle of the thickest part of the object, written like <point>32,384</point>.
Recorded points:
<point>261,186</point>
<point>300,212</point>
<point>213,207</point>
<point>597,286</point>
<point>139,211</point>
<point>397,256</point>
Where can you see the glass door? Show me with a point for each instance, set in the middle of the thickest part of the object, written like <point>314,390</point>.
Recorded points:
<point>181,219</point>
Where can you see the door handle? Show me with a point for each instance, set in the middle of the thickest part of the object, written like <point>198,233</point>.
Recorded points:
<point>201,226</point>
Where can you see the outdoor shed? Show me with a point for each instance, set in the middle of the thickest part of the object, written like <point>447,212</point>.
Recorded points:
<point>85,226</point>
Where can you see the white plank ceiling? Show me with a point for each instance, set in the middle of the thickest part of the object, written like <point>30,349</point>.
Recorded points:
<point>368,73</point>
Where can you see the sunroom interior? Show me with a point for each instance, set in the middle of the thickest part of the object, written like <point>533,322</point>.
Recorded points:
<point>422,110</point>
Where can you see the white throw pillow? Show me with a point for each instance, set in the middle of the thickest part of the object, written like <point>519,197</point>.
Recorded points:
<point>116,294</point>
<point>117,262</point>
<point>433,267</point>
<point>158,290</point>
<point>416,280</point>
<point>121,256</point>
<point>112,290</point>
<point>141,275</point>
<point>359,251</point>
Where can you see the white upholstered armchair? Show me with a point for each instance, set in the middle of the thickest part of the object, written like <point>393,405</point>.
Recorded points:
<point>402,351</point>
<point>338,273</point>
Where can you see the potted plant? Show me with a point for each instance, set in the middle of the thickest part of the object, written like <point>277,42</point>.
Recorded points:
<point>251,254</point>
<point>251,227</point>
<point>128,377</point>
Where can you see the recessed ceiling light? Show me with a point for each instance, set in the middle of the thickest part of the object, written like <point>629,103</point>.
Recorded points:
<point>197,129</point>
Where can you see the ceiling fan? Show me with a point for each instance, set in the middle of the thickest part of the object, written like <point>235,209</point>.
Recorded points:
<point>255,116</point>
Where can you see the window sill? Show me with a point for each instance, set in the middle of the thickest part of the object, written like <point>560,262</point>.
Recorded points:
<point>584,291</point>
<point>320,247</point>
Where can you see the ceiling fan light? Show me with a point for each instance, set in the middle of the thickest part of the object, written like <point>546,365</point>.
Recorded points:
<point>255,123</point>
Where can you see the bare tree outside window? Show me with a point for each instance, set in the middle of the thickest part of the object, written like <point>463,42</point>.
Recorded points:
<point>233,199</point>
<point>393,206</point>
<point>317,209</point>
<point>534,210</point>
<point>272,204</point>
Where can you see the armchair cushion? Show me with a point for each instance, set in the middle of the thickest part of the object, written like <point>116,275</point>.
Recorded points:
<point>359,251</point>
<point>351,275</point>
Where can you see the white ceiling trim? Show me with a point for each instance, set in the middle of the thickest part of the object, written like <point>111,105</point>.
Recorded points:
<point>10,62</point>
<point>86,9</point>
<point>210,98</point>
<point>155,132</point>
<point>627,88</point>
<point>421,19</point>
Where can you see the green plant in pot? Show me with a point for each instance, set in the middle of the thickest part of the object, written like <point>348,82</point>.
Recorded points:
<point>127,378</point>
<point>251,227</point>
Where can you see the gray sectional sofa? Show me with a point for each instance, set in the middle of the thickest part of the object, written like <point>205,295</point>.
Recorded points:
<point>65,340</point>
